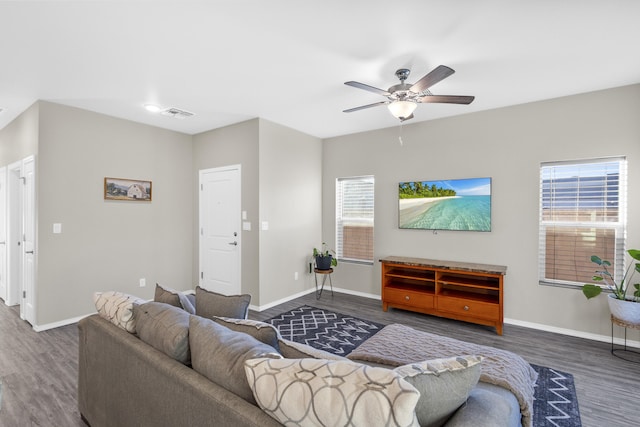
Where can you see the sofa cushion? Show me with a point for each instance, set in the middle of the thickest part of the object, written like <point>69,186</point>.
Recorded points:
<point>210,304</point>
<point>444,385</point>
<point>165,328</point>
<point>117,308</point>
<point>295,350</point>
<point>174,298</point>
<point>313,392</point>
<point>488,405</point>
<point>219,354</point>
<point>263,332</point>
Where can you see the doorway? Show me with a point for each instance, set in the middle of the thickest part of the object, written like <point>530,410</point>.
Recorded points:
<point>3,233</point>
<point>20,237</point>
<point>220,234</point>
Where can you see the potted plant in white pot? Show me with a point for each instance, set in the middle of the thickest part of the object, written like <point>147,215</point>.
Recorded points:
<point>623,307</point>
<point>324,258</point>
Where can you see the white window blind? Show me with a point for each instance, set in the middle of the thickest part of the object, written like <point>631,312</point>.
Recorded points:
<point>354,218</point>
<point>582,213</point>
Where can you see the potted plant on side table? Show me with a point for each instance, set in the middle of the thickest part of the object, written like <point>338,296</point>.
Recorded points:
<point>624,308</point>
<point>324,258</point>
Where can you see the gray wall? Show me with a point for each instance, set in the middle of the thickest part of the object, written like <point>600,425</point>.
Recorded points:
<point>508,145</point>
<point>108,245</point>
<point>278,165</point>
<point>231,145</point>
<point>19,139</point>
<point>291,202</point>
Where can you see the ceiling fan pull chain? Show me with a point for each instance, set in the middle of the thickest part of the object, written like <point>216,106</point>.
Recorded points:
<point>400,136</point>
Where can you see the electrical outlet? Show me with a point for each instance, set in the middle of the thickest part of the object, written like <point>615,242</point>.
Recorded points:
<point>143,282</point>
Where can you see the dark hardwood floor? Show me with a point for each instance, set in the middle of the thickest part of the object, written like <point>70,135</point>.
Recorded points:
<point>39,370</point>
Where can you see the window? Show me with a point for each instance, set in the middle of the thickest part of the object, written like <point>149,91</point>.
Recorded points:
<point>582,213</point>
<point>354,219</point>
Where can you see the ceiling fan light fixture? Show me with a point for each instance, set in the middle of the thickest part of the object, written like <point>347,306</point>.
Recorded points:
<point>152,108</point>
<point>402,109</point>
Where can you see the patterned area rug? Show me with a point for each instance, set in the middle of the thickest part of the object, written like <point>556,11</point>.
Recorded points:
<point>555,405</point>
<point>555,401</point>
<point>325,330</point>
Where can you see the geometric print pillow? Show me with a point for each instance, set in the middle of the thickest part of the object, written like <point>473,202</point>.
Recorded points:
<point>316,392</point>
<point>444,385</point>
<point>117,308</point>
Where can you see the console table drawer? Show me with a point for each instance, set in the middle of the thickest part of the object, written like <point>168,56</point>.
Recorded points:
<point>468,307</point>
<point>405,297</point>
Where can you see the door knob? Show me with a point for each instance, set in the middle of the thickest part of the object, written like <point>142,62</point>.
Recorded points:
<point>28,252</point>
<point>234,243</point>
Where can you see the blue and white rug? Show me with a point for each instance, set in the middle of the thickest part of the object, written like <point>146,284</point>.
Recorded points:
<point>333,332</point>
<point>555,401</point>
<point>555,404</point>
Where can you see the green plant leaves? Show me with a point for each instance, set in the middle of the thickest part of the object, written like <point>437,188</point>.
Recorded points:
<point>591,291</point>
<point>635,253</point>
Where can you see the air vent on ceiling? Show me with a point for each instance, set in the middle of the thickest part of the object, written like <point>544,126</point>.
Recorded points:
<point>177,113</point>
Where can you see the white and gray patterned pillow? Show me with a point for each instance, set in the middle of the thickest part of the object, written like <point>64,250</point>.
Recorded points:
<point>316,392</point>
<point>117,307</point>
<point>444,385</point>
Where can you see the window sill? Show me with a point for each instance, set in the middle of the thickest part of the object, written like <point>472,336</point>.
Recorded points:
<point>354,261</point>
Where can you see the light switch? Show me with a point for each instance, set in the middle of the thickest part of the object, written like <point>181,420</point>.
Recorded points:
<point>57,228</point>
<point>244,215</point>
<point>265,225</point>
<point>246,226</point>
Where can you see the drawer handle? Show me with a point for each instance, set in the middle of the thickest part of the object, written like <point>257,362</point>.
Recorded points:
<point>466,308</point>
<point>406,297</point>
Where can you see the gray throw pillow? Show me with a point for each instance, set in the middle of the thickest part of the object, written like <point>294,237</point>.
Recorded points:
<point>174,298</point>
<point>219,354</point>
<point>210,304</point>
<point>165,328</point>
<point>296,350</point>
<point>444,385</point>
<point>263,332</point>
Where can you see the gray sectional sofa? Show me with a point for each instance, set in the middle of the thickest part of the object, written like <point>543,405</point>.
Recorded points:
<point>150,378</point>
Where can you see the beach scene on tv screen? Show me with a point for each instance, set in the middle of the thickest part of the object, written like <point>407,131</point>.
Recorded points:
<point>457,204</point>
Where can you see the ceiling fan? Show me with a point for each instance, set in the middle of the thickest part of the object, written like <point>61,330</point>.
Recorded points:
<point>403,98</point>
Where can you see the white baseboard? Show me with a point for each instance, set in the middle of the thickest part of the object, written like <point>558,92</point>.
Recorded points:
<point>280,301</point>
<point>66,322</point>
<point>309,291</point>
<point>572,333</point>
<point>531,325</point>
<point>358,293</point>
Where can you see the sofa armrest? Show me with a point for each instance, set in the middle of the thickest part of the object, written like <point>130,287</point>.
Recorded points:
<point>123,381</point>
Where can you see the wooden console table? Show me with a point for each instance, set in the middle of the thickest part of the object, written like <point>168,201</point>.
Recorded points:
<point>456,290</point>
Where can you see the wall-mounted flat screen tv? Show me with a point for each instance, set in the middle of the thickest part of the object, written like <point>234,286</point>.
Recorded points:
<point>455,204</point>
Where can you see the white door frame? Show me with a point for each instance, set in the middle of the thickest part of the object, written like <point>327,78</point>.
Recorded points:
<point>21,237</point>
<point>3,233</point>
<point>14,233</point>
<point>28,306</point>
<point>237,240</point>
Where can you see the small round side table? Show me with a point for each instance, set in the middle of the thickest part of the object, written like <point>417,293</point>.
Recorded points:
<point>325,274</point>
<point>631,355</point>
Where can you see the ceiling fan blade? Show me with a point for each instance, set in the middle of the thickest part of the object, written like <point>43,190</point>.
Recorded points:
<point>404,119</point>
<point>446,99</point>
<point>362,107</point>
<point>439,73</point>
<point>367,87</point>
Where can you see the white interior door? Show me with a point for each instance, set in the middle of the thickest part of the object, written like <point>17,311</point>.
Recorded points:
<point>3,234</point>
<point>220,221</point>
<point>29,243</point>
<point>15,188</point>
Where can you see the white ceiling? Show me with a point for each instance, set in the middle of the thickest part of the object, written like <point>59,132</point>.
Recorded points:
<point>286,60</point>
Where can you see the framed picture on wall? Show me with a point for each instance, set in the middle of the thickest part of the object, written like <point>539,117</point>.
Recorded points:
<point>127,189</point>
